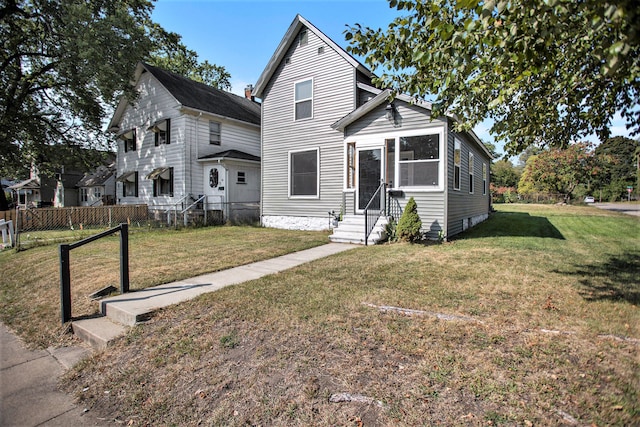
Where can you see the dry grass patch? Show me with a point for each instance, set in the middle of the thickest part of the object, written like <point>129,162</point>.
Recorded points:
<point>30,290</point>
<point>274,351</point>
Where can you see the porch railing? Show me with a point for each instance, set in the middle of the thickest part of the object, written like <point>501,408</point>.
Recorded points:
<point>372,213</point>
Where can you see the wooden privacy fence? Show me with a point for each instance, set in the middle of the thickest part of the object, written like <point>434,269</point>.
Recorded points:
<point>75,217</point>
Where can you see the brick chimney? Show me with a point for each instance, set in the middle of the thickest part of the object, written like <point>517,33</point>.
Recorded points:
<point>248,92</point>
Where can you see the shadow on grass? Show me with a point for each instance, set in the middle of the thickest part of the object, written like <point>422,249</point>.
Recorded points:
<point>513,224</point>
<point>615,279</point>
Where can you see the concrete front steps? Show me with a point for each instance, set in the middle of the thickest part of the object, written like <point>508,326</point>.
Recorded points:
<point>351,230</point>
<point>121,312</point>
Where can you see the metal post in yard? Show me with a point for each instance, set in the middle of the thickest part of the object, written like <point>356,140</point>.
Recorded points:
<point>65,284</point>
<point>124,258</point>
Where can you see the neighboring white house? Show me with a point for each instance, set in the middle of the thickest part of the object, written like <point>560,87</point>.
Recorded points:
<point>98,188</point>
<point>332,142</point>
<point>182,140</point>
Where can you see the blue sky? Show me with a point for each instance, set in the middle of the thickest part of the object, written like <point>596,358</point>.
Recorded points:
<point>241,35</point>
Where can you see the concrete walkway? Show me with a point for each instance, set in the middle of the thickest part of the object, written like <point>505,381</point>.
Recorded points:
<point>29,394</point>
<point>28,379</point>
<point>123,311</point>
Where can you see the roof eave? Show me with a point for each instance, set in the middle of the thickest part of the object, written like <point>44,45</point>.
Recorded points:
<point>184,108</point>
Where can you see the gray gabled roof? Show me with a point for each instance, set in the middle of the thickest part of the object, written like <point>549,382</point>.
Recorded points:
<point>196,96</point>
<point>231,154</point>
<point>99,177</point>
<point>298,23</point>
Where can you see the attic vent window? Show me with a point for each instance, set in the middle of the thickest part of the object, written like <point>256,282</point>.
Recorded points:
<point>303,38</point>
<point>287,60</point>
<point>320,50</point>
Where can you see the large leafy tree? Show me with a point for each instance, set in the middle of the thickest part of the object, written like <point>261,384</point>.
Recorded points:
<point>619,162</point>
<point>546,71</point>
<point>64,64</point>
<point>504,174</point>
<point>559,170</point>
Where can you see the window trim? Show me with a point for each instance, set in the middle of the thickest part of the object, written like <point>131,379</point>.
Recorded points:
<point>457,168</point>
<point>471,173</point>
<point>289,162</point>
<point>296,101</point>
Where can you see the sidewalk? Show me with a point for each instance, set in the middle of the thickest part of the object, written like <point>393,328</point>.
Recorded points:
<point>29,395</point>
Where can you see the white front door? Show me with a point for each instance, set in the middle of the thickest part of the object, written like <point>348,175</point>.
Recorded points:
<point>214,186</point>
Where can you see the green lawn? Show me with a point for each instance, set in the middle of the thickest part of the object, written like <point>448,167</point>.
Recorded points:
<point>546,332</point>
<point>30,290</point>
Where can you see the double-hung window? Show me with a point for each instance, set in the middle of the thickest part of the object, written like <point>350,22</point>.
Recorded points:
<point>303,99</point>
<point>457,150</point>
<point>471,172</point>
<point>162,131</point>
<point>419,160</point>
<point>129,139</point>
<point>129,184</point>
<point>83,194</point>
<point>214,133</point>
<point>304,173</point>
<point>162,181</point>
<point>97,193</point>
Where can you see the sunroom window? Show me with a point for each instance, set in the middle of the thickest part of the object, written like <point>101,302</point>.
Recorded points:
<point>419,160</point>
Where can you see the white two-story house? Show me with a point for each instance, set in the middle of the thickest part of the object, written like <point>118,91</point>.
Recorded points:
<point>182,141</point>
<point>332,142</point>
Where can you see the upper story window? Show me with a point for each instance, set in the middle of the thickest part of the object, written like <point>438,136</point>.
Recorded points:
<point>303,38</point>
<point>129,138</point>
<point>304,99</point>
<point>471,171</point>
<point>419,160</point>
<point>456,163</point>
<point>214,133</point>
<point>162,131</point>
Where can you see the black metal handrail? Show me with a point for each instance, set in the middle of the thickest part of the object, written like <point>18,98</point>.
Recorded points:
<point>394,210</point>
<point>65,273</point>
<point>371,215</point>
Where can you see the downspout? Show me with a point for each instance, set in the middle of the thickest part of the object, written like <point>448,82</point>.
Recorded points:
<point>197,144</point>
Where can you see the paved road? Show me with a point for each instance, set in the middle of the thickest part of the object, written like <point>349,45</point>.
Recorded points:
<point>627,208</point>
<point>29,394</point>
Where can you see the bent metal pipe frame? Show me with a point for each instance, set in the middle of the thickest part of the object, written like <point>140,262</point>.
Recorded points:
<point>65,273</point>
